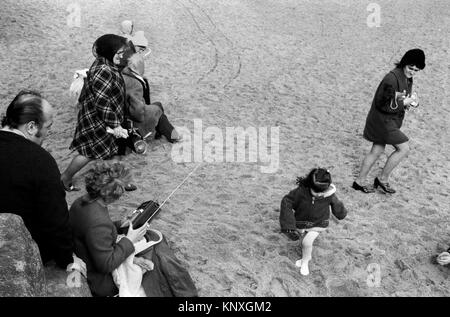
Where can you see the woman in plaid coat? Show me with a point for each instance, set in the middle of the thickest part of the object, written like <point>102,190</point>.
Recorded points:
<point>102,102</point>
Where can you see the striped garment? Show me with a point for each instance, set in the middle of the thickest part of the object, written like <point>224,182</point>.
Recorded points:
<point>102,102</point>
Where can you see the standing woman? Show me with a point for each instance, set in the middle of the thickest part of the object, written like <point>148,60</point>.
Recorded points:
<point>392,98</point>
<point>102,103</point>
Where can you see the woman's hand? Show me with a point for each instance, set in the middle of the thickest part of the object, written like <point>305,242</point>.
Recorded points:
<point>136,235</point>
<point>408,100</point>
<point>144,264</point>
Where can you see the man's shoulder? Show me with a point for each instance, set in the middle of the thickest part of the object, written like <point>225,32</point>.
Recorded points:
<point>41,154</point>
<point>41,159</point>
<point>19,143</point>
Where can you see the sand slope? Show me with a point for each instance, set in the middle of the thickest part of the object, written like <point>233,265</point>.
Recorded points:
<point>310,69</point>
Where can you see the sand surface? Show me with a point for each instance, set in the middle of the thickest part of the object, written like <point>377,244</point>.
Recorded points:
<point>310,69</point>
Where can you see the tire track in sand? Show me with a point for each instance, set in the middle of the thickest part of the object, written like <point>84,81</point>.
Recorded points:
<point>226,64</point>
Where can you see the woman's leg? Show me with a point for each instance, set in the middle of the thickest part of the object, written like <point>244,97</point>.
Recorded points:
<point>400,153</point>
<point>78,162</point>
<point>369,160</point>
<point>307,246</point>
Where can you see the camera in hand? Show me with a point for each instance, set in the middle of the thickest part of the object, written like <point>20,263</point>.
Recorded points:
<point>415,98</point>
<point>142,215</point>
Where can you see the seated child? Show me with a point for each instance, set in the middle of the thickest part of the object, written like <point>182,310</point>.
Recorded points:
<point>148,118</point>
<point>308,208</point>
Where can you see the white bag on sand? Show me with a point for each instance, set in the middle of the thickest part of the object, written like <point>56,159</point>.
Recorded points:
<point>78,82</point>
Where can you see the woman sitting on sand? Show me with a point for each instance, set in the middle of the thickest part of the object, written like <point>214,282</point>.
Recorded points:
<point>126,266</point>
<point>94,232</point>
<point>308,208</point>
<point>392,98</point>
<point>149,118</point>
<point>102,103</point>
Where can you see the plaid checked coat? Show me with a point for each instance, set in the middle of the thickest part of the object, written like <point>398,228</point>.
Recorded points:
<point>102,102</point>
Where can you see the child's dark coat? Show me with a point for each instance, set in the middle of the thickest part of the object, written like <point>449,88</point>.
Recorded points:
<point>301,209</point>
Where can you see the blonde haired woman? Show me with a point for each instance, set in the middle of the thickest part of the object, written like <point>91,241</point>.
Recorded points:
<point>94,232</point>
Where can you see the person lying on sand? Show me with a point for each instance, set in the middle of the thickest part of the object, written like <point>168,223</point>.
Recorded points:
<point>308,208</point>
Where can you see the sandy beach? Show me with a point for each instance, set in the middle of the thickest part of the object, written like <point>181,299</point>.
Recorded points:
<point>310,69</point>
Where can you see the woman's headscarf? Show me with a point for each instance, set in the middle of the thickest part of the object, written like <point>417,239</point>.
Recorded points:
<point>108,45</point>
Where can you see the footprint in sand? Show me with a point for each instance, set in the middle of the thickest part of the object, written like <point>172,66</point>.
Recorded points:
<point>343,288</point>
<point>277,288</point>
<point>224,197</point>
<point>273,238</point>
<point>248,280</point>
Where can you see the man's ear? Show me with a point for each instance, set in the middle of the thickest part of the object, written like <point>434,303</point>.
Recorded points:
<point>32,128</point>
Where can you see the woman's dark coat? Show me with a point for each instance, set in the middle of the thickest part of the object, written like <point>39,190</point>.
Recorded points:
<point>386,115</point>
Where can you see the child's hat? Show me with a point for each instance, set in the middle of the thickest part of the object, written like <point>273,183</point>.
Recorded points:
<point>126,27</point>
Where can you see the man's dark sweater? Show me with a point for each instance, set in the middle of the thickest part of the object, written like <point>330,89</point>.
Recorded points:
<point>30,187</point>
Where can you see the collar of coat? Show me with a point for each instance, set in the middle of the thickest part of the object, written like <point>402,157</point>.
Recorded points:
<point>131,73</point>
<point>330,191</point>
<point>103,60</point>
<point>400,74</point>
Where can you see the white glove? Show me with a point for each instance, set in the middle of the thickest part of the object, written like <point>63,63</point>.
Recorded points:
<point>77,265</point>
<point>118,132</point>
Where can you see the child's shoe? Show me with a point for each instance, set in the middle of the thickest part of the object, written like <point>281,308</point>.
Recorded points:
<point>291,234</point>
<point>303,265</point>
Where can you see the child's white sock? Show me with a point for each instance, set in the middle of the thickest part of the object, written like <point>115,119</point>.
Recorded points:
<point>307,246</point>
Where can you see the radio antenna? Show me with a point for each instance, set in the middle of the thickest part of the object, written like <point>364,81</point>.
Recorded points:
<point>173,192</point>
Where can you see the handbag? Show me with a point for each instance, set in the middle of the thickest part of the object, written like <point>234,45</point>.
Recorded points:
<point>394,105</point>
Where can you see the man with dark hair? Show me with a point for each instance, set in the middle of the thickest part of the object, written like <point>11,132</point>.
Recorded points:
<point>30,181</point>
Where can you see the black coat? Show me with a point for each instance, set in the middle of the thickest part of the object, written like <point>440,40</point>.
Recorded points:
<point>386,115</point>
<point>30,186</point>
